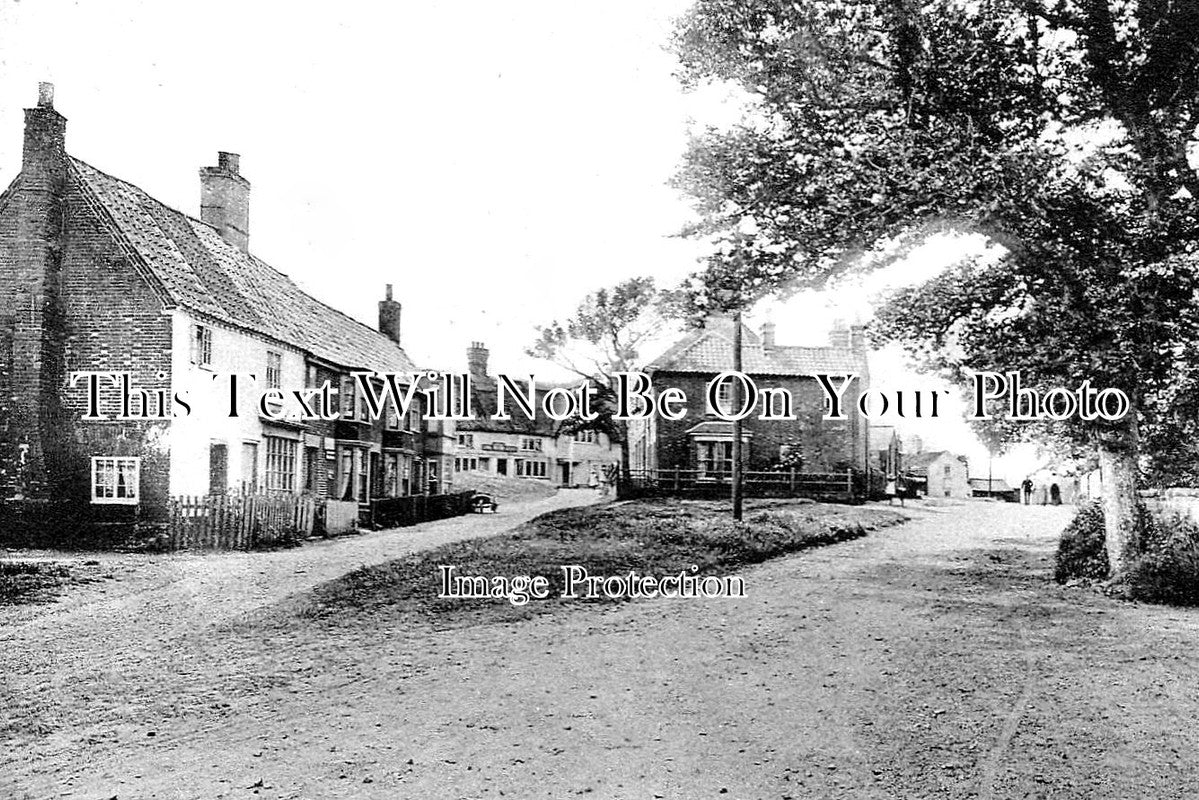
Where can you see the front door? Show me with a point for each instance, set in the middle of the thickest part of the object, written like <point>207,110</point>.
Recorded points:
<point>249,467</point>
<point>501,466</point>
<point>218,468</point>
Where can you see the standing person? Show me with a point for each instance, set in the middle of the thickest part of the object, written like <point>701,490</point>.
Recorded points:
<point>891,489</point>
<point>1026,490</point>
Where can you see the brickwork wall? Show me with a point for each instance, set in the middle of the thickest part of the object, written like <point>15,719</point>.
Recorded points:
<point>676,449</point>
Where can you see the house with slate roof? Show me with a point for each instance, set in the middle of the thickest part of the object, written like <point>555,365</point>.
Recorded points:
<point>97,275</point>
<point>702,442</point>
<point>521,447</point>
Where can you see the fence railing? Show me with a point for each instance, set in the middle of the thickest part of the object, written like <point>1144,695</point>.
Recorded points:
<point>398,512</point>
<point>238,522</point>
<point>844,486</point>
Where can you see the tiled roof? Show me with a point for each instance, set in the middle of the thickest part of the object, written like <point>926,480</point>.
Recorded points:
<point>198,270</point>
<point>993,484</point>
<point>917,461</point>
<point>710,351</point>
<point>483,393</point>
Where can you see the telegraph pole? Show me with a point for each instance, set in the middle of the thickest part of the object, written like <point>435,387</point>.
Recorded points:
<point>736,394</point>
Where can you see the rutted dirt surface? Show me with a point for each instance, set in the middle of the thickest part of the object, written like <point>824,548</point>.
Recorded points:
<point>932,659</point>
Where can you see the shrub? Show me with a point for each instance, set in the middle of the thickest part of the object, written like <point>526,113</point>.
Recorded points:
<point>1081,552</point>
<point>1167,571</point>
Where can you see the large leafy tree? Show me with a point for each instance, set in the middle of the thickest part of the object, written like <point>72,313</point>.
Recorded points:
<point>602,336</point>
<point>1062,130</point>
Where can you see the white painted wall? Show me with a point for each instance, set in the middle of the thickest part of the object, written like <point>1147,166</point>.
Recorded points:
<point>209,422</point>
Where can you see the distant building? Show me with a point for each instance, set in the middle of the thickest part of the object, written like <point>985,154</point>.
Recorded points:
<point>993,487</point>
<point>701,443</point>
<point>521,447</point>
<point>939,474</point>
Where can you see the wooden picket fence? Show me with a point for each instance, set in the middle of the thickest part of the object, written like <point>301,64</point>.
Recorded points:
<point>836,486</point>
<point>239,522</point>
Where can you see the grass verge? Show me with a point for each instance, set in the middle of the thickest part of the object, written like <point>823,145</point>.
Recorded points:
<point>649,537</point>
<point>24,582</point>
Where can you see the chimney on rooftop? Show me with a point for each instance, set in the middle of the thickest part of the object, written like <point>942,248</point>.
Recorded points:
<point>476,360</point>
<point>31,286</point>
<point>389,317</point>
<point>768,335</point>
<point>857,339</point>
<point>225,200</point>
<point>838,336</point>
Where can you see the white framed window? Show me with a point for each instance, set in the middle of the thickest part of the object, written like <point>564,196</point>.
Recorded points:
<point>530,469</point>
<point>202,345</point>
<point>715,459</point>
<point>115,480</point>
<point>274,370</point>
<point>587,436</point>
<point>724,397</point>
<point>280,464</point>
<point>412,419</point>
<point>347,403</point>
<point>529,443</point>
<point>466,440</point>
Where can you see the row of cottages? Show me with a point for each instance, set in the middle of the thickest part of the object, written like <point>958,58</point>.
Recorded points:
<point>701,443</point>
<point>525,447</point>
<point>97,275</point>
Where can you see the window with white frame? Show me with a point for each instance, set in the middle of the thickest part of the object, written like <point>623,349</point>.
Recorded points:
<point>280,464</point>
<point>202,345</point>
<point>530,469</point>
<point>466,440</point>
<point>715,459</point>
<point>587,436</point>
<point>724,397</point>
<point>115,479</point>
<point>347,404</point>
<point>529,443</point>
<point>412,420</point>
<point>274,370</point>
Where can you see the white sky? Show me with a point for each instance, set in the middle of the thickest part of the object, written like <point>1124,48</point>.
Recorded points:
<point>495,160</point>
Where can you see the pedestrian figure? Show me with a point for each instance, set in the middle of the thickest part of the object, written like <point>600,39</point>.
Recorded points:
<point>892,490</point>
<point>1026,488</point>
<point>1055,495</point>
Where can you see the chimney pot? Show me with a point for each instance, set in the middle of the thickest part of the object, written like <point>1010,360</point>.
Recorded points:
<point>476,359</point>
<point>45,95</point>
<point>230,162</point>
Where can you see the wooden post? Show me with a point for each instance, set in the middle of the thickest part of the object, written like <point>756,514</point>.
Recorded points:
<point>737,465</point>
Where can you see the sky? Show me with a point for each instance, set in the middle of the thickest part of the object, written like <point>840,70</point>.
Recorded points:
<point>495,160</point>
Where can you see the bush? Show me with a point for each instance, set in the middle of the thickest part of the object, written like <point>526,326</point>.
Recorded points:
<point>1081,552</point>
<point>1168,569</point>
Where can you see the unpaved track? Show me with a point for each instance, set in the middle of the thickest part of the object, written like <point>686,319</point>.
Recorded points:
<point>932,659</point>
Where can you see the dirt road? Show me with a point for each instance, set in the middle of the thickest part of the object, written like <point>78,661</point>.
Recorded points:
<point>933,659</point>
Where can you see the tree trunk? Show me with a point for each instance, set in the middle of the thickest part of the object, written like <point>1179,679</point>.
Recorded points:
<point>1118,479</point>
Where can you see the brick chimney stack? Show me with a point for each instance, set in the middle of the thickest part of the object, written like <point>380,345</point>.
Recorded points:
<point>839,335</point>
<point>32,298</point>
<point>225,200</point>
<point>476,360</point>
<point>768,335</point>
<point>857,339</point>
<point>389,317</point>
